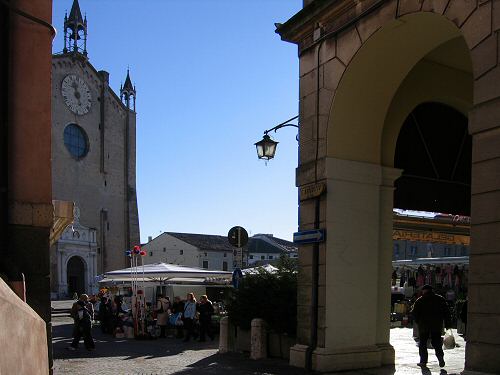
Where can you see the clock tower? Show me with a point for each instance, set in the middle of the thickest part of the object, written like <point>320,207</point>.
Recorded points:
<point>93,165</point>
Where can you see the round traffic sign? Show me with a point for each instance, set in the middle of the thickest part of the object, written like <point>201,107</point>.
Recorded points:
<point>237,236</point>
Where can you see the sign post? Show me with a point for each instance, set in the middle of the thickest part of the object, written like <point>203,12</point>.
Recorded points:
<point>238,237</point>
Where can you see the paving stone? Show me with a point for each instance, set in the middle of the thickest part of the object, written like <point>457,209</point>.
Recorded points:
<point>170,356</point>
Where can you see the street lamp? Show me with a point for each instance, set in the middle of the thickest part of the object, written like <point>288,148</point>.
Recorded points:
<point>266,148</point>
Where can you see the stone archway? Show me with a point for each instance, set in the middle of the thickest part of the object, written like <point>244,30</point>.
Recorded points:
<point>75,269</point>
<point>363,70</point>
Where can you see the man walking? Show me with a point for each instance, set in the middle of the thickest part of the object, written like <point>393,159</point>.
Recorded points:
<point>82,324</point>
<point>429,311</point>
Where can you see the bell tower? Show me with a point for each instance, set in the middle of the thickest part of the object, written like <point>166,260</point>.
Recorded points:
<point>75,31</point>
<point>127,93</point>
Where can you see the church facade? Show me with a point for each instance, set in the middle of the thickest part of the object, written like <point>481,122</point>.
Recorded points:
<point>93,165</point>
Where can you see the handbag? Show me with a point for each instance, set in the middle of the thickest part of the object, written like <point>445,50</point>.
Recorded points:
<point>449,340</point>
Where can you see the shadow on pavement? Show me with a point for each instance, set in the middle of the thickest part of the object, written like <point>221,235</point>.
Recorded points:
<point>239,364</point>
<point>108,346</point>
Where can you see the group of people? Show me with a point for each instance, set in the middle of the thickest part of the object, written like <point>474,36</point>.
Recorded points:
<point>185,316</point>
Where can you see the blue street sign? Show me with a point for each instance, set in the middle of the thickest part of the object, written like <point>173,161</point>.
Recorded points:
<point>309,236</point>
<point>237,276</point>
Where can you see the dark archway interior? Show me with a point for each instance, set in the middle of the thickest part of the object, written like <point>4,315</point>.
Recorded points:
<point>76,276</point>
<point>434,150</point>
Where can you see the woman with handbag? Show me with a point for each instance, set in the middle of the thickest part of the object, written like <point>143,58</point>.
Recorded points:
<point>162,313</point>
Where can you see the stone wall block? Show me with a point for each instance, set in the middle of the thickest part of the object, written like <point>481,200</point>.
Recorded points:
<point>368,25</point>
<point>20,213</point>
<point>322,297</point>
<point>482,358</point>
<point>323,120</point>
<point>348,44</point>
<point>484,117</point>
<point>436,6</point>
<point>487,87</point>
<point>303,335</point>
<point>495,14</point>
<point>308,109</point>
<point>485,238</point>
<point>307,62</point>
<point>486,145</point>
<point>304,296</point>
<point>333,71</point>
<point>305,255</point>
<point>328,50</point>
<point>484,268</point>
<point>307,83</point>
<point>484,56</point>
<point>322,274</point>
<point>322,246</point>
<point>486,176</point>
<point>479,329</point>
<point>409,6</point>
<point>325,103</point>
<point>307,215</point>
<point>485,207</point>
<point>307,127</point>
<point>320,342</point>
<point>307,151</point>
<point>306,172</point>
<point>478,26</point>
<point>459,10</point>
<point>305,274</point>
<point>480,298</point>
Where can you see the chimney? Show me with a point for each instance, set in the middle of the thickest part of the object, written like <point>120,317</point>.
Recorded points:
<point>150,238</point>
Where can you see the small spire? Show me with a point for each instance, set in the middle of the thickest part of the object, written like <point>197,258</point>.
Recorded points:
<point>75,15</point>
<point>75,30</point>
<point>128,93</point>
<point>128,83</point>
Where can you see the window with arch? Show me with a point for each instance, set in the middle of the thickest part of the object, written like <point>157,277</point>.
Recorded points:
<point>76,141</point>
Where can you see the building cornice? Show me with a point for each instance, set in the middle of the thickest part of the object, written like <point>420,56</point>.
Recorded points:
<point>332,17</point>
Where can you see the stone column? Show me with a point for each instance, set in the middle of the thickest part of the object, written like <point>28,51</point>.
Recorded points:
<point>358,263</point>
<point>258,339</point>
<point>389,175</point>
<point>483,323</point>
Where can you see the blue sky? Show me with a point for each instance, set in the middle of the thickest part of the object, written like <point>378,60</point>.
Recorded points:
<point>211,76</point>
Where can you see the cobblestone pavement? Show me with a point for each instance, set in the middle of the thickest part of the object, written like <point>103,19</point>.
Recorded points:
<point>171,356</point>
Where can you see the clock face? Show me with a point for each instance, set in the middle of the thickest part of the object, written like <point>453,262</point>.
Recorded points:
<point>76,94</point>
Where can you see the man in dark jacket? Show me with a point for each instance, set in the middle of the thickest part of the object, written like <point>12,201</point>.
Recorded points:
<point>206,310</point>
<point>429,311</point>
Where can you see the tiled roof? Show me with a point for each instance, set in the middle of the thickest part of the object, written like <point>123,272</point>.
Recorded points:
<point>268,244</point>
<point>257,244</point>
<point>204,241</point>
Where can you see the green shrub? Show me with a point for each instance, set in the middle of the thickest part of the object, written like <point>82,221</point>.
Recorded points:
<point>272,297</point>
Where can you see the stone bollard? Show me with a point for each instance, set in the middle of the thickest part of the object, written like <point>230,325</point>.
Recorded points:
<point>258,339</point>
<point>224,335</point>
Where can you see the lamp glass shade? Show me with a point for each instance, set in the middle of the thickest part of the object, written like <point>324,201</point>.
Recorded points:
<point>266,148</point>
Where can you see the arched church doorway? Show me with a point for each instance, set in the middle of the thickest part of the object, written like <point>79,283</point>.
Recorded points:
<point>434,152</point>
<point>76,275</point>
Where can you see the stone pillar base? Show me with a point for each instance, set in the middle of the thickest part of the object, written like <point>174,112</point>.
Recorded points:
<point>298,355</point>
<point>325,360</point>
<point>388,354</point>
